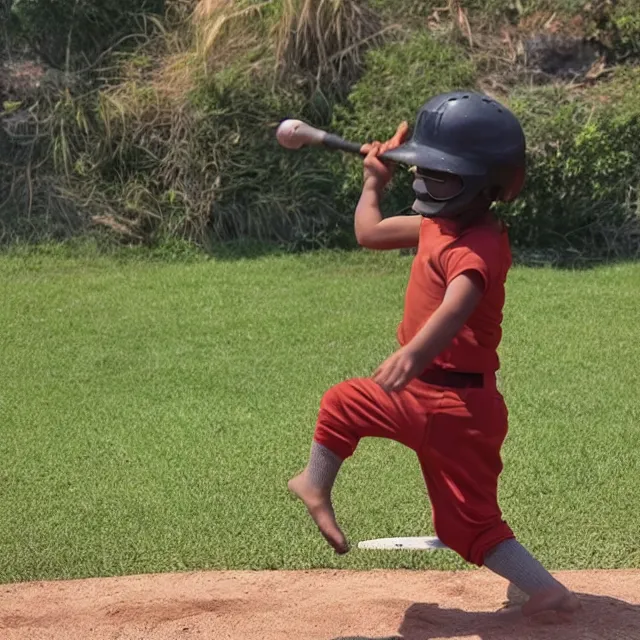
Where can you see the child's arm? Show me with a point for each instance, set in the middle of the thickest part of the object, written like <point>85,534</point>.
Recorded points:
<point>372,231</point>
<point>461,298</point>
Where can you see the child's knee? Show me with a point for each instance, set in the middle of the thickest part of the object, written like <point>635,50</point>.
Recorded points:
<point>473,542</point>
<point>333,402</point>
<point>453,538</point>
<point>333,428</point>
<point>347,400</point>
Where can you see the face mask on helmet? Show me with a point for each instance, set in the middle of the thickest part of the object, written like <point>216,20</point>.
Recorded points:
<point>437,186</point>
<point>444,195</point>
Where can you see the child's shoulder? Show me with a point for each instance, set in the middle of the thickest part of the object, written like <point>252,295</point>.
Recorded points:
<point>488,230</point>
<point>485,243</point>
<point>492,233</point>
<point>489,239</point>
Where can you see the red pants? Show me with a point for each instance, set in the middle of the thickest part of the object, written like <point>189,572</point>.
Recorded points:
<point>457,434</point>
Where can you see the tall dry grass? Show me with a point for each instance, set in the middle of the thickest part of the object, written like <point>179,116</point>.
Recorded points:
<point>176,139</point>
<point>325,40</point>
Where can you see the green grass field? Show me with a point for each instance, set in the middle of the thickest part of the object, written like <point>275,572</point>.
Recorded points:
<point>151,413</point>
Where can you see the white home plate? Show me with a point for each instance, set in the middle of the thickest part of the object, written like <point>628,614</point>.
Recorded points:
<point>411,544</point>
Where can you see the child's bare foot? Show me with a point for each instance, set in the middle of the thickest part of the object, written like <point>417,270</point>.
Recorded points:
<point>515,597</point>
<point>552,605</point>
<point>321,510</point>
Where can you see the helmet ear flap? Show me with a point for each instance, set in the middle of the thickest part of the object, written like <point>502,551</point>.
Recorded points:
<point>492,193</point>
<point>512,190</point>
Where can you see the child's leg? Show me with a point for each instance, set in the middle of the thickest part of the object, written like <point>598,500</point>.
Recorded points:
<point>512,561</point>
<point>349,411</point>
<point>313,486</point>
<point>461,464</point>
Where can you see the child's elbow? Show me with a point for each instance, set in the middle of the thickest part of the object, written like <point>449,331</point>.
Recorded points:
<point>367,239</point>
<point>362,238</point>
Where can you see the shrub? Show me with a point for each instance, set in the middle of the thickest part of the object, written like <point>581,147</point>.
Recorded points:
<point>626,21</point>
<point>78,29</point>
<point>180,145</point>
<point>398,80</point>
<point>176,139</point>
<point>583,179</point>
<point>214,170</point>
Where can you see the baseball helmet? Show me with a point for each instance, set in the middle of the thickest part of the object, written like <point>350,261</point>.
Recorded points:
<point>471,136</point>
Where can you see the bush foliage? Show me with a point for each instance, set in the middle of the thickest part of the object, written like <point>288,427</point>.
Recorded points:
<point>175,138</point>
<point>65,31</point>
<point>583,179</point>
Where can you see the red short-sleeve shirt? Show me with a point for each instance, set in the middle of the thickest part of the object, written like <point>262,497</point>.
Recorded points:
<point>443,254</point>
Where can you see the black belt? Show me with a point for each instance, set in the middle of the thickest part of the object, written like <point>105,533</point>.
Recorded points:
<point>453,379</point>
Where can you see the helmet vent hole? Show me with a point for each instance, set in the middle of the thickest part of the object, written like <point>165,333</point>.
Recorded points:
<point>486,100</point>
<point>465,97</point>
<point>452,99</point>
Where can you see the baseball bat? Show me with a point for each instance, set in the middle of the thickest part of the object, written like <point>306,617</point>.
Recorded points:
<point>295,134</point>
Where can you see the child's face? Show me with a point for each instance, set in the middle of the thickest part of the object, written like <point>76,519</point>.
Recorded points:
<point>441,186</point>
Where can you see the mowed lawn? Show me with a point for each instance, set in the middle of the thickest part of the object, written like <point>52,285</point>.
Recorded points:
<point>151,414</point>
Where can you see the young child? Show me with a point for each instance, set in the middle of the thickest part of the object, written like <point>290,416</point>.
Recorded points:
<point>437,394</point>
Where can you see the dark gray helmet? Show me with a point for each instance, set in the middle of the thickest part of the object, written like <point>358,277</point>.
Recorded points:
<point>469,135</point>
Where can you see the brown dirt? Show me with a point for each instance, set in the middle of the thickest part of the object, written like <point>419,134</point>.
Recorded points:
<point>314,605</point>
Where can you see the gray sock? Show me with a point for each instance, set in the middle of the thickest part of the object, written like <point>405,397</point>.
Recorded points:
<point>512,561</point>
<point>323,466</point>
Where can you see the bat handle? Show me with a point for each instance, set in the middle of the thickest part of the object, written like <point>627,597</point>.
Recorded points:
<point>332,141</point>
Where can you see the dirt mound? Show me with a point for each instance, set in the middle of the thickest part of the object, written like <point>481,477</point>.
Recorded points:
<point>314,605</point>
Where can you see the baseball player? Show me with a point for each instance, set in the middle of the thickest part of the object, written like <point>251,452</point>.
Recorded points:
<point>437,393</point>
